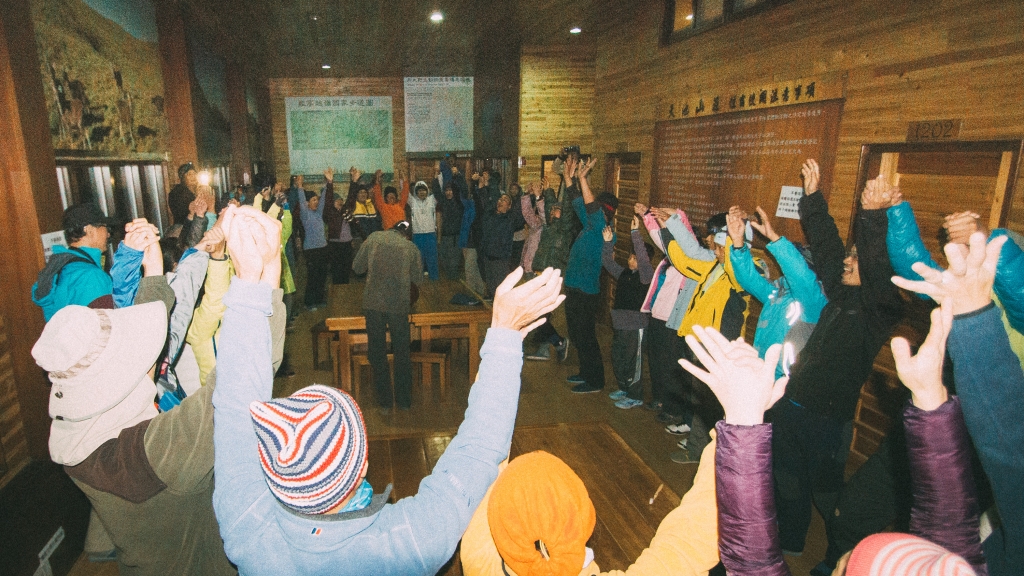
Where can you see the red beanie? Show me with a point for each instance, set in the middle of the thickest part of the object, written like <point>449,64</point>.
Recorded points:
<point>897,554</point>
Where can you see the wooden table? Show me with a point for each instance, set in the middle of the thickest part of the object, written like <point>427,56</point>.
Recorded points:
<point>619,483</point>
<point>433,316</point>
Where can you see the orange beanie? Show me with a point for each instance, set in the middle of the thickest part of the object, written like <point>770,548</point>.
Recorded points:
<point>541,516</point>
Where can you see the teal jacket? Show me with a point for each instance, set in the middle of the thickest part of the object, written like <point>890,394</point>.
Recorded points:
<point>78,283</point>
<point>791,305</point>
<point>415,535</point>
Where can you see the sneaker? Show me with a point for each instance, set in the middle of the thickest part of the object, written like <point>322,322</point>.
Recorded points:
<point>682,457</point>
<point>666,418</point>
<point>677,429</point>
<point>543,352</point>
<point>654,406</point>
<point>682,444</point>
<point>584,388</point>
<point>563,349</point>
<point>575,379</point>
<point>627,403</point>
<point>617,395</point>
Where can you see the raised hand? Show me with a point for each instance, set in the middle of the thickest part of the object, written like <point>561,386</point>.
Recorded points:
<point>662,215</point>
<point>544,183</point>
<point>569,170</point>
<point>634,224</point>
<point>764,226</point>
<point>213,242</point>
<point>607,234</point>
<point>329,174</point>
<point>523,307</point>
<point>639,209</point>
<point>734,222</point>
<point>922,373</point>
<point>586,166</point>
<point>878,194</point>
<point>960,225</point>
<point>153,258</point>
<point>811,175</point>
<point>254,240</point>
<point>967,284</point>
<point>744,383</point>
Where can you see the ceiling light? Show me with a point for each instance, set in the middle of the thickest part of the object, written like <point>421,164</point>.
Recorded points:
<point>326,66</point>
<point>316,17</point>
<point>689,16</point>
<point>436,16</point>
<point>575,30</point>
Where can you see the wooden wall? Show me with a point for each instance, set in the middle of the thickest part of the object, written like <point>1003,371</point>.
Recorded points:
<point>556,107</point>
<point>281,88</point>
<point>899,62</point>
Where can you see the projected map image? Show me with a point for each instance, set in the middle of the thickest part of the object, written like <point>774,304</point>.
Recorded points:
<point>339,132</point>
<point>438,114</point>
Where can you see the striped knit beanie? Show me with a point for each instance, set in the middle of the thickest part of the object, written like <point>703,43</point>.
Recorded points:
<point>312,447</point>
<point>896,554</point>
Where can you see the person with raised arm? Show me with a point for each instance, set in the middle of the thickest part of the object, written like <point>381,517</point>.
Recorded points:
<point>944,524</point>
<point>863,309</point>
<point>390,203</point>
<point>294,503</point>
<point>989,382</point>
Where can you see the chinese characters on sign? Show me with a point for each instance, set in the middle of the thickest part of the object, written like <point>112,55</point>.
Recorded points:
<point>789,202</point>
<point>781,94</point>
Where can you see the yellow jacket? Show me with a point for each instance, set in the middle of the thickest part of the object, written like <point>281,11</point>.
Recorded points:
<point>686,543</point>
<point>205,326</point>
<point>715,282</point>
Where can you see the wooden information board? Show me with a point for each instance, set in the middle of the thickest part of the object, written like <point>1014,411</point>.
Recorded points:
<point>704,165</point>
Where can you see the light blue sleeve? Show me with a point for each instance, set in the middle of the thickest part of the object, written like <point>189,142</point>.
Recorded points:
<point>125,274</point>
<point>748,277</point>
<point>687,241</point>
<point>244,374</point>
<point>803,282</point>
<point>440,511</point>
<point>187,282</point>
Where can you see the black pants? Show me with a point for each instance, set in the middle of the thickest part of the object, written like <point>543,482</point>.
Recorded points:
<point>581,315</point>
<point>495,271</point>
<point>808,458</point>
<point>377,323</point>
<point>668,379</point>
<point>316,276</point>
<point>546,333</point>
<point>340,256</point>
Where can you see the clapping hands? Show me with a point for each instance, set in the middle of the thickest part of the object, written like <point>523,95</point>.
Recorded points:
<point>744,383</point>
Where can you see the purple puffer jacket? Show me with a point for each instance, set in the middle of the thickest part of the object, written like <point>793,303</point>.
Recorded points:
<point>945,502</point>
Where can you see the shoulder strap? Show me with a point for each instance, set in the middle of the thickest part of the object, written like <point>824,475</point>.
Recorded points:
<point>48,275</point>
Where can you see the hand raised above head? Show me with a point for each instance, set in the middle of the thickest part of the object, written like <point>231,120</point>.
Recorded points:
<point>634,224</point>
<point>607,234</point>
<point>967,284</point>
<point>922,373</point>
<point>960,225</point>
<point>254,240</point>
<point>811,175</point>
<point>522,307</point>
<point>639,209</point>
<point>764,226</point>
<point>744,383</point>
<point>734,222</point>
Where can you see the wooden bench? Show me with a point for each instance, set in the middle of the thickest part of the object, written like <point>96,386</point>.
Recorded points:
<point>426,362</point>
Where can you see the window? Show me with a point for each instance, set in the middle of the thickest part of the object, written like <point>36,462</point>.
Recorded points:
<point>123,191</point>
<point>685,18</point>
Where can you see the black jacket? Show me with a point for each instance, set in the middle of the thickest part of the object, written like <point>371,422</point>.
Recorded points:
<point>856,322</point>
<point>497,231</point>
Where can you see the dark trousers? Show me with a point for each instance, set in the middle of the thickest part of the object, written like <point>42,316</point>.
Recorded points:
<point>316,275</point>
<point>376,325</point>
<point>581,315</point>
<point>340,256</point>
<point>450,257</point>
<point>495,271</point>
<point>627,361</point>
<point>664,348</point>
<point>808,458</point>
<point>546,333</point>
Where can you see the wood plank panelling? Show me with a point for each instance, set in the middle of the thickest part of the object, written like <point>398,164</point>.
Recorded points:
<point>281,88</point>
<point>13,446</point>
<point>894,58</point>
<point>556,108</point>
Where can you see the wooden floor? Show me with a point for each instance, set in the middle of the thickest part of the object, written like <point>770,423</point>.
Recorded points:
<point>405,441</point>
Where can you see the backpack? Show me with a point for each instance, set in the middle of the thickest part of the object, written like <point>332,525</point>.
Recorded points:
<point>47,278</point>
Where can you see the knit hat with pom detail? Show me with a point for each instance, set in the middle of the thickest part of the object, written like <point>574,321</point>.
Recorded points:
<point>896,554</point>
<point>312,447</point>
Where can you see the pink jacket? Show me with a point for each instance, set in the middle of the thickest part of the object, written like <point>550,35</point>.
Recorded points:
<point>661,307</point>
<point>534,216</point>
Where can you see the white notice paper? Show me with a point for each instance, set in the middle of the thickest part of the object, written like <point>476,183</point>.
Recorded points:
<point>789,202</point>
<point>51,239</point>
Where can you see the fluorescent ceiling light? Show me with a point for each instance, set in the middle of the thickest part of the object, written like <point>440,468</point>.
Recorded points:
<point>575,30</point>
<point>436,16</point>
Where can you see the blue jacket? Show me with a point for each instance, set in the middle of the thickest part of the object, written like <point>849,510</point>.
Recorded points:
<point>584,270</point>
<point>906,247</point>
<point>78,283</point>
<point>794,301</point>
<point>416,535</point>
<point>991,389</point>
<point>126,273</point>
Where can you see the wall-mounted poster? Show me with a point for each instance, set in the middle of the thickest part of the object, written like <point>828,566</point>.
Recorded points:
<point>209,101</point>
<point>339,132</point>
<point>439,114</point>
<point>101,75</point>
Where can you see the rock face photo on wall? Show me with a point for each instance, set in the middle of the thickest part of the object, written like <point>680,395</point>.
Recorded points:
<point>101,75</point>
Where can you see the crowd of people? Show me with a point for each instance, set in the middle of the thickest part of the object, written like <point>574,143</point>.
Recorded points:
<point>162,372</point>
